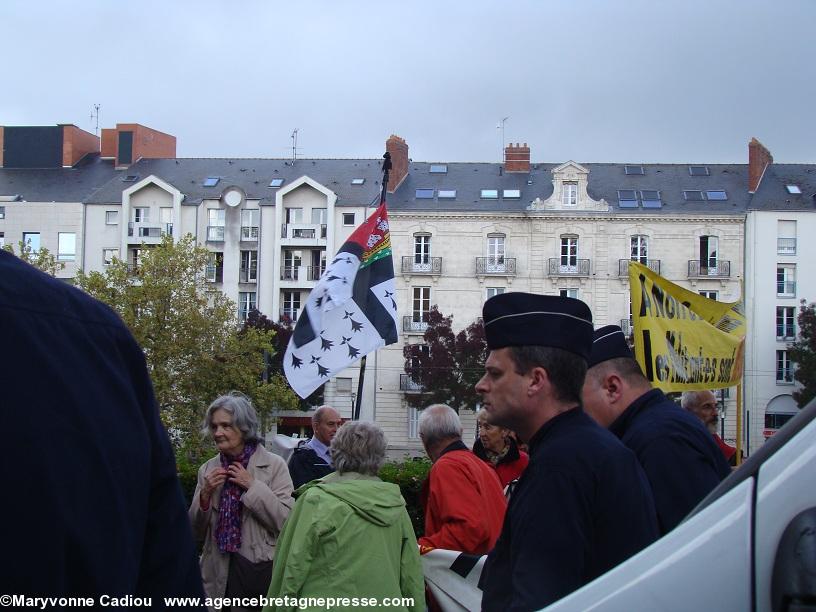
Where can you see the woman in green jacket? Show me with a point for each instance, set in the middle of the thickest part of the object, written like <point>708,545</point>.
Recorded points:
<point>349,535</point>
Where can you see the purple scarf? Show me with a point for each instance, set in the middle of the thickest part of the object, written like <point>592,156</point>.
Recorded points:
<point>228,529</point>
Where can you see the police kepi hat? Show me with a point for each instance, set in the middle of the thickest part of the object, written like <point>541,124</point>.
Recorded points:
<point>609,342</point>
<point>527,319</point>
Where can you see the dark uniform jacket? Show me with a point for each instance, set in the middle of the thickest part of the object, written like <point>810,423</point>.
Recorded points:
<point>305,465</point>
<point>678,454</point>
<point>582,506</point>
<point>91,500</point>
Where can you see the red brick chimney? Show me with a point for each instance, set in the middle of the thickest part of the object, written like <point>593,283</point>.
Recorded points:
<point>517,158</point>
<point>759,158</point>
<point>398,149</point>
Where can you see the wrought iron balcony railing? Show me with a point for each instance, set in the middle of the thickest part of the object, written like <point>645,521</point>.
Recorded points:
<point>567,266</point>
<point>421,265</point>
<point>500,266</point>
<point>414,324</point>
<point>709,268</point>
<point>652,264</point>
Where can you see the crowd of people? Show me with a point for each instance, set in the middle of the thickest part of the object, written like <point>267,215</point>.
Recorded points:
<point>613,464</point>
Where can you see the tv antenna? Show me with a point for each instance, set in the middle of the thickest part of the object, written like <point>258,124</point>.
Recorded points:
<point>294,144</point>
<point>95,115</point>
<point>500,126</point>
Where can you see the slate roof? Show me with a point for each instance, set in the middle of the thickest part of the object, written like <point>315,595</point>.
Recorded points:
<point>74,184</point>
<point>773,194</point>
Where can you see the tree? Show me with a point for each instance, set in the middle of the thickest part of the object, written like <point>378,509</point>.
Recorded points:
<point>803,353</point>
<point>42,258</point>
<point>446,366</point>
<point>194,347</point>
<point>274,362</point>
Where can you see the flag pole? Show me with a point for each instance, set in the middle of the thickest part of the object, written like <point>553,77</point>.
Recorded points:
<point>386,166</point>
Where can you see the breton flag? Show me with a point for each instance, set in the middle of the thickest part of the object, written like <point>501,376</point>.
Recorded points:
<point>351,312</point>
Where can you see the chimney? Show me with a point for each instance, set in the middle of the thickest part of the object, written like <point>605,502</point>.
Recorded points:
<point>759,158</point>
<point>398,149</point>
<point>517,158</point>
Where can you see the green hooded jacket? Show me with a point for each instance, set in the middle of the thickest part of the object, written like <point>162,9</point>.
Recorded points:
<point>348,535</point>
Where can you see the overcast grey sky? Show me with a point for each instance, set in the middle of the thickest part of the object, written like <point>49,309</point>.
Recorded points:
<point>589,80</point>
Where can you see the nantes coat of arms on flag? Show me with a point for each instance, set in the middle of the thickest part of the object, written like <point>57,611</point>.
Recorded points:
<point>351,312</point>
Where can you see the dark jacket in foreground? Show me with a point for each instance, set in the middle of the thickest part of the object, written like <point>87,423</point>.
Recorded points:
<point>306,465</point>
<point>91,500</point>
<point>678,454</point>
<point>582,506</point>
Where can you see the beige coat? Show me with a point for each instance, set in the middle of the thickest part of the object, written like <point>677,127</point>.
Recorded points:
<point>267,504</point>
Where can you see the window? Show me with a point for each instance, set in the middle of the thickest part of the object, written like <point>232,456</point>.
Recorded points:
<point>776,421</point>
<point>424,194</point>
<point>2,239</point>
<point>2,212</point>
<point>291,304</point>
<point>422,250</point>
<point>246,303</point>
<point>141,215</point>
<point>639,249</point>
<point>569,194</point>
<point>215,224</point>
<point>292,260</point>
<point>214,272</point>
<point>493,291</point>
<point>211,181</point>
<point>708,254</point>
<point>570,293</point>
<point>130,178</point>
<point>650,199</point>
<point>342,385</point>
<point>276,182</point>
<point>420,304</point>
<point>446,194</point>
<point>784,368</point>
<point>785,323</point>
<point>569,253</point>
<point>793,189</point>
<point>786,237</point>
<point>786,280</point>
<point>294,215</point>
<point>66,246</point>
<point>495,250</point>
<point>413,423</point>
<point>438,169</point>
<point>693,195</point>
<point>717,194</point>
<point>348,219</point>
<point>489,194</point>
<point>108,255</point>
<point>711,295</point>
<point>627,198</point>
<point>511,194</point>
<point>358,181</point>
<point>32,239</point>
<point>319,216</point>
<point>698,170</point>
<point>249,267</point>
<point>631,169</point>
<point>111,217</point>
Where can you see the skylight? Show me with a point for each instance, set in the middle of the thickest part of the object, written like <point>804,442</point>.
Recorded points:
<point>489,194</point>
<point>794,189</point>
<point>693,196</point>
<point>276,182</point>
<point>511,194</point>
<point>650,198</point>
<point>211,181</point>
<point>627,198</point>
<point>447,194</point>
<point>130,178</point>
<point>424,194</point>
<point>438,169</point>
<point>631,169</point>
<point>357,181</point>
<point>698,170</point>
<point>717,194</point>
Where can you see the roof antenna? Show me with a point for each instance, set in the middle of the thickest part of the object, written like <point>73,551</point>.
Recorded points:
<point>294,145</point>
<point>95,115</point>
<point>500,126</point>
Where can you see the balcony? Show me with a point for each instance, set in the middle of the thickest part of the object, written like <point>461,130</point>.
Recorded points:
<point>496,266</point>
<point>248,275</point>
<point>627,327</point>
<point>215,233</point>
<point>786,246</point>
<point>249,233</point>
<point>289,313</point>
<point>214,274</point>
<point>424,265</point>
<point>409,385</point>
<point>709,269</point>
<point>785,288</point>
<point>297,273</point>
<point>652,264</point>
<point>570,267</point>
<point>303,231</point>
<point>414,324</point>
<point>149,230</point>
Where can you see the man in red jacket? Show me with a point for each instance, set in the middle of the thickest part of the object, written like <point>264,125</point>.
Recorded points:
<point>464,502</point>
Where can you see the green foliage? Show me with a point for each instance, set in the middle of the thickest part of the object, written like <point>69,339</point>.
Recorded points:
<point>194,347</point>
<point>409,476</point>
<point>803,354</point>
<point>42,259</point>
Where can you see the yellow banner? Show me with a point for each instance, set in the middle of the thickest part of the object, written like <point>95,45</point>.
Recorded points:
<point>684,341</point>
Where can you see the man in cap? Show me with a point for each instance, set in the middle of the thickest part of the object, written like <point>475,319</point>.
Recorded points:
<point>583,505</point>
<point>680,458</point>
<point>703,404</point>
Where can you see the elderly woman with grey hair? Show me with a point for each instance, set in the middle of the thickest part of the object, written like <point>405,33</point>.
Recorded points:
<point>241,501</point>
<point>349,534</point>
